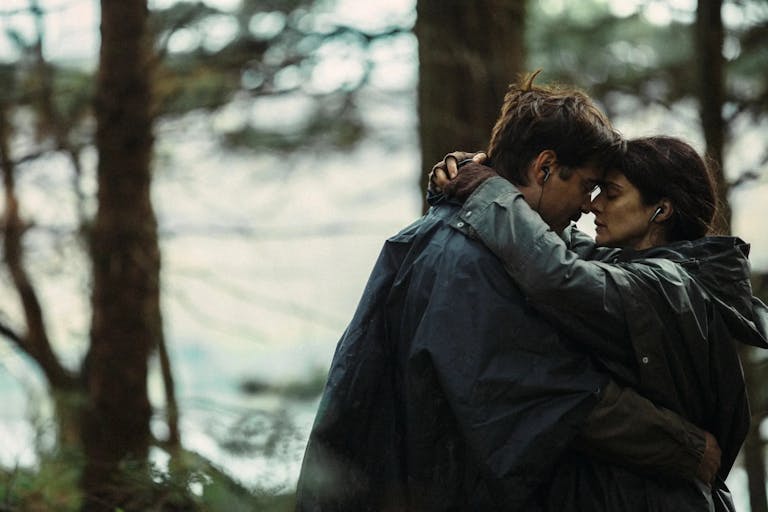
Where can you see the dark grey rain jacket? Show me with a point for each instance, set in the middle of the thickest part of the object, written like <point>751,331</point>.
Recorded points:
<point>447,391</point>
<point>666,321</point>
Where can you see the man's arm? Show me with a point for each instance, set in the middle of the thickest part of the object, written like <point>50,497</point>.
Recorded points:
<point>629,430</point>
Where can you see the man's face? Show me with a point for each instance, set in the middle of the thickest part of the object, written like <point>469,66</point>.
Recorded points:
<point>564,200</point>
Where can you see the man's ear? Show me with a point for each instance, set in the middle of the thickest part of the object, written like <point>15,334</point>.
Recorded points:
<point>663,211</point>
<point>543,166</point>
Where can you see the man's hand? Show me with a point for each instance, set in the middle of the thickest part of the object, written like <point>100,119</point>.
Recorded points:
<point>710,460</point>
<point>443,172</point>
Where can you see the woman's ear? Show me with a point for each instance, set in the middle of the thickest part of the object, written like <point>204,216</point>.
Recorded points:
<point>663,211</point>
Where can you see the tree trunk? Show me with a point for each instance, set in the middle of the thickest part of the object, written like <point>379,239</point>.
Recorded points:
<point>711,91</point>
<point>754,446</point>
<point>68,413</point>
<point>467,58</point>
<point>126,260</point>
<point>709,37</point>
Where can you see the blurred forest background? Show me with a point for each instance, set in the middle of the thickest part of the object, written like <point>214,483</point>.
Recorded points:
<point>194,193</point>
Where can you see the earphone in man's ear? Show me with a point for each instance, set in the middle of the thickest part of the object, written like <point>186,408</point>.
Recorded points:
<point>547,172</point>
<point>658,211</point>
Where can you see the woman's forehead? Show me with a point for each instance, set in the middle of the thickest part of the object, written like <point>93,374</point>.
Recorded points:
<point>615,177</point>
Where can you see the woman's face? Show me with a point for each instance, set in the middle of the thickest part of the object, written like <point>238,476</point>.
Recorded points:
<point>621,218</point>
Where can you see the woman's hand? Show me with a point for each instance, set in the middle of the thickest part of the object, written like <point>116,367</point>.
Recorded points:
<point>710,460</point>
<point>459,174</point>
<point>446,170</point>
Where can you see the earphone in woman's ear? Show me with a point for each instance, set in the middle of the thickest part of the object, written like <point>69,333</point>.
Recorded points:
<point>547,172</point>
<point>658,211</point>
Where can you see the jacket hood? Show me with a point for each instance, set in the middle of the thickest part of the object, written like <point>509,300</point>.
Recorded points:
<point>720,265</point>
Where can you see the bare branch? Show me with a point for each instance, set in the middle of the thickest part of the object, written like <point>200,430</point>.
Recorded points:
<point>31,157</point>
<point>10,334</point>
<point>36,10</point>
<point>35,342</point>
<point>746,178</point>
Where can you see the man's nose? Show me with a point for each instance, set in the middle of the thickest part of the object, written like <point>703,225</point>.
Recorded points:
<point>586,206</point>
<point>594,205</point>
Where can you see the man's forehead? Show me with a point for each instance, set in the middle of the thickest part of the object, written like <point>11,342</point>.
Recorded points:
<point>592,172</point>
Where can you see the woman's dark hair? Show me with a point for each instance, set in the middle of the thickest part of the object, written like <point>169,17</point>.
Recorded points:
<point>535,118</point>
<point>666,167</point>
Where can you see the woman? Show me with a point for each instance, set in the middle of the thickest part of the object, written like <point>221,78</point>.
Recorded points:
<point>663,310</point>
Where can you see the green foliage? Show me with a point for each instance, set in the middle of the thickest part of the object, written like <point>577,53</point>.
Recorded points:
<point>191,484</point>
<point>192,86</point>
<point>747,80</point>
<point>53,485</point>
<point>328,128</point>
<point>605,54</point>
<point>164,22</point>
<point>203,78</point>
<point>72,94</point>
<point>329,134</point>
<point>586,44</point>
<point>252,64</point>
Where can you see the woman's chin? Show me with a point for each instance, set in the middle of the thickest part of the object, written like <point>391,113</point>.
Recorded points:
<point>603,240</point>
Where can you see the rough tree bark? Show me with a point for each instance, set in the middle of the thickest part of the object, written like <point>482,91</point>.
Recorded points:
<point>467,57</point>
<point>709,36</point>
<point>125,302</point>
<point>711,91</point>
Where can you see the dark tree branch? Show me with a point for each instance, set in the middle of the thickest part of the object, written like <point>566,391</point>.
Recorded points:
<point>746,178</point>
<point>10,334</point>
<point>35,342</point>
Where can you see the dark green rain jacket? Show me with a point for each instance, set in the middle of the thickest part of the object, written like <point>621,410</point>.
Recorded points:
<point>447,391</point>
<point>666,321</point>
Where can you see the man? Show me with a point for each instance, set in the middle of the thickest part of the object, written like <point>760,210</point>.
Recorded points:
<point>447,391</point>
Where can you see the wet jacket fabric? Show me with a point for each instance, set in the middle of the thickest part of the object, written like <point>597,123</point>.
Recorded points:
<point>666,321</point>
<point>447,391</point>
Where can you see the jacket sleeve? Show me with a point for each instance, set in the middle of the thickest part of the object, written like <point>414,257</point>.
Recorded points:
<point>501,368</point>
<point>629,430</point>
<point>580,295</point>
